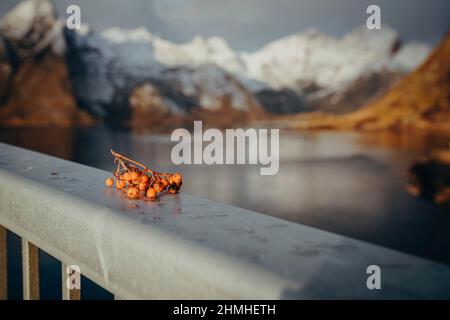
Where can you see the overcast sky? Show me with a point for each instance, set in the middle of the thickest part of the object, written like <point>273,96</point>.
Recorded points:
<point>248,24</point>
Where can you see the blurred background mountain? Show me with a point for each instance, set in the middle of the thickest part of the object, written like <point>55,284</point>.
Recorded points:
<point>50,75</point>
<point>419,101</point>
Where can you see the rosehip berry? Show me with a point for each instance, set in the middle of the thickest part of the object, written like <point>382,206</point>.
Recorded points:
<point>143,186</point>
<point>151,193</point>
<point>126,176</point>
<point>157,187</point>
<point>164,183</point>
<point>120,184</point>
<point>132,192</point>
<point>177,178</point>
<point>134,175</point>
<point>145,178</point>
<point>109,182</point>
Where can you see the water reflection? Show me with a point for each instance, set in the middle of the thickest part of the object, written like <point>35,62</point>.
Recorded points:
<point>348,183</point>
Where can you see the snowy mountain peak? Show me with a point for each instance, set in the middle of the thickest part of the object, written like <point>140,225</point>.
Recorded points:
<point>295,61</point>
<point>383,40</point>
<point>410,56</point>
<point>197,52</point>
<point>331,63</point>
<point>118,35</point>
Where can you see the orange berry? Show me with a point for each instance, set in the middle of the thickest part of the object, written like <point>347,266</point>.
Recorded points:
<point>126,176</point>
<point>171,179</point>
<point>164,183</point>
<point>145,178</point>
<point>143,186</point>
<point>177,178</point>
<point>109,182</point>
<point>157,187</point>
<point>151,193</point>
<point>132,192</point>
<point>134,175</point>
<point>173,190</point>
<point>120,184</point>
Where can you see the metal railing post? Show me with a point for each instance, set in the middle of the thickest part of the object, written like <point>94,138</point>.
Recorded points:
<point>30,269</point>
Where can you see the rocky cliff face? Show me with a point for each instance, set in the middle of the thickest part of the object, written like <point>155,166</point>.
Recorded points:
<point>419,101</point>
<point>122,82</point>
<point>34,85</point>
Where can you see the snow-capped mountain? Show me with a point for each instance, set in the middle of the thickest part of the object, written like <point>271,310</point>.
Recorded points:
<point>313,57</point>
<point>106,68</point>
<point>293,62</point>
<point>199,51</point>
<point>34,87</point>
<point>409,57</point>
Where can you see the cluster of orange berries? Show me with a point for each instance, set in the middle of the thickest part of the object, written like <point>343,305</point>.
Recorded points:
<point>136,182</point>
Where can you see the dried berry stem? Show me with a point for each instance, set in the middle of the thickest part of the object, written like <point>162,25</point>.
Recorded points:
<point>133,177</point>
<point>121,158</point>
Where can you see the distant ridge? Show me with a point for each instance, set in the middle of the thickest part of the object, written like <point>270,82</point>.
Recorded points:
<point>419,101</point>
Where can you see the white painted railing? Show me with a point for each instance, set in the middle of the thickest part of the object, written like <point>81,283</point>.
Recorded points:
<point>184,246</point>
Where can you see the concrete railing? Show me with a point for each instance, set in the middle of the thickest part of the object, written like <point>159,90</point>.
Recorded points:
<point>183,246</point>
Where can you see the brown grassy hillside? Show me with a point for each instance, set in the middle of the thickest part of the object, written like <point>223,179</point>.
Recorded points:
<point>420,101</point>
